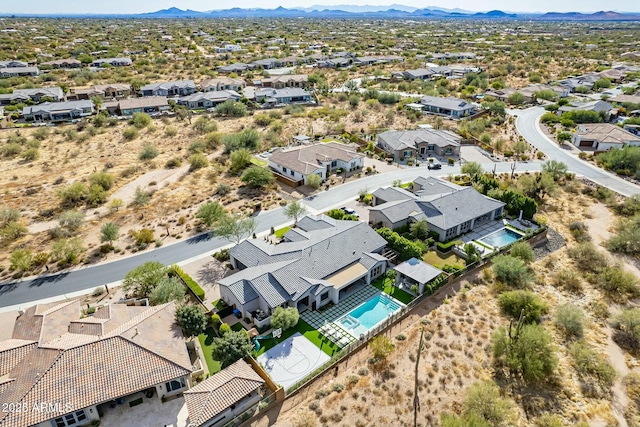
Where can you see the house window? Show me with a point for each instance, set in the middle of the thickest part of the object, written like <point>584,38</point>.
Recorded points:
<point>70,419</point>
<point>284,169</point>
<point>432,148</point>
<point>324,296</point>
<point>175,385</point>
<point>334,164</point>
<point>292,173</point>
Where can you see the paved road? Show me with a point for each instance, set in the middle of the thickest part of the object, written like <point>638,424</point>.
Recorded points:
<point>528,124</point>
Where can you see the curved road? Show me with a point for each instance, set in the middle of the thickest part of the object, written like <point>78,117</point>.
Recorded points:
<point>89,277</point>
<point>528,125</point>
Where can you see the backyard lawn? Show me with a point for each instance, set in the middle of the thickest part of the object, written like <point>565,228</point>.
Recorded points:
<point>439,261</point>
<point>385,285</point>
<point>305,329</point>
<point>238,327</point>
<point>281,232</point>
<point>258,162</point>
<point>206,342</point>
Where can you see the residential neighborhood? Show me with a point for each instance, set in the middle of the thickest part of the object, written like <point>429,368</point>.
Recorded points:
<point>294,215</point>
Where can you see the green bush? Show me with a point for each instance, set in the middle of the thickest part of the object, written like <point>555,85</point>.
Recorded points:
<point>406,248</point>
<point>570,319</point>
<point>197,161</point>
<point>224,329</point>
<point>512,271</point>
<point>148,152</point>
<point>192,284</point>
<point>130,134</point>
<point>588,363</point>
<point>619,284</point>
<point>514,303</point>
<point>141,120</point>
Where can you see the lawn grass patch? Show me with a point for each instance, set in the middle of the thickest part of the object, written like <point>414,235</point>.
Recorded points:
<point>386,286</point>
<point>256,161</point>
<point>307,330</point>
<point>439,261</point>
<point>281,232</point>
<point>206,342</point>
<point>238,327</point>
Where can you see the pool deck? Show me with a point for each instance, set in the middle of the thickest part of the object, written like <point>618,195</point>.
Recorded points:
<point>326,321</point>
<point>493,226</point>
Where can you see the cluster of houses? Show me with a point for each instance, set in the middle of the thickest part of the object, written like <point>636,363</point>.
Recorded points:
<point>21,69</point>
<point>121,99</point>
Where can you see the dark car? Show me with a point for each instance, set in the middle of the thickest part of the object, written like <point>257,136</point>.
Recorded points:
<point>434,166</point>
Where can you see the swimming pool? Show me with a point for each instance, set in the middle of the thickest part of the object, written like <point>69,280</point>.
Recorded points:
<point>369,314</point>
<point>500,238</point>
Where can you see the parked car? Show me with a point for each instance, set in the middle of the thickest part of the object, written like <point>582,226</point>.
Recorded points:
<point>349,211</point>
<point>434,166</point>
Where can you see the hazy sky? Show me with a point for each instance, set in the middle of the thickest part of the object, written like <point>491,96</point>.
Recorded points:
<point>137,6</point>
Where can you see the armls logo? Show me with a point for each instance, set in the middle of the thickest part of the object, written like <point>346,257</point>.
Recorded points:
<point>47,407</point>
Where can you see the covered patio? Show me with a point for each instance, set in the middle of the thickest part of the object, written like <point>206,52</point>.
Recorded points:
<point>415,272</point>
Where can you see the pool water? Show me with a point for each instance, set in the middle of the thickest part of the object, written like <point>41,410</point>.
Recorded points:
<point>501,238</point>
<point>369,314</point>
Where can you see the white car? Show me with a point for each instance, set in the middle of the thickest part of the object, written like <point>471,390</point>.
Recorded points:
<point>349,211</point>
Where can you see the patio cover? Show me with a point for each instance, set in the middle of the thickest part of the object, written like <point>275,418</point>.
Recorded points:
<point>418,270</point>
<point>347,275</point>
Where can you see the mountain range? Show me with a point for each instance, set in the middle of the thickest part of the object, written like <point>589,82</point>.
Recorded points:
<point>394,11</point>
<point>381,12</point>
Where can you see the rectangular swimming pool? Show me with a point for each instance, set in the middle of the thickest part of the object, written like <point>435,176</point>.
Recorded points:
<point>500,238</point>
<point>369,314</point>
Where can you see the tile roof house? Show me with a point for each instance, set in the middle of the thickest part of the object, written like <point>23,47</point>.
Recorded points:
<point>299,163</point>
<point>58,111</point>
<point>452,108</point>
<point>404,144</point>
<point>223,396</point>
<point>222,83</point>
<point>286,80</point>
<point>427,73</point>
<point>148,104</point>
<point>113,62</point>
<point>602,137</point>
<point>63,63</point>
<point>52,94</point>
<point>237,67</point>
<point>18,71</point>
<point>74,364</point>
<point>318,261</point>
<point>106,91</point>
<point>272,97</point>
<point>208,99</point>
<point>174,88</point>
<point>450,210</point>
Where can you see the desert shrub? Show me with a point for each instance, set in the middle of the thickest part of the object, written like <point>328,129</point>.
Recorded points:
<point>314,181</point>
<point>570,320</point>
<point>512,271</point>
<point>70,221</point>
<point>549,420</point>
<point>263,120</point>
<point>512,352</point>
<point>630,206</point>
<point>130,134</point>
<point>173,163</point>
<point>588,258</point>
<point>232,109</point>
<point>21,260</point>
<point>627,324</point>
<point>522,250</point>
<point>515,303</point>
<point>141,120</point>
<point>204,125</point>
<point>568,279</point>
<point>627,237</point>
<point>197,161</point>
<point>257,177</point>
<point>589,363</point>
<point>198,147</point>
<point>618,284</point>
<point>247,138</point>
<point>170,131</point>
<point>103,179</point>
<point>11,150</point>
<point>223,189</point>
<point>141,197</point>
<point>40,134</point>
<point>74,195</point>
<point>579,231</point>
<point>168,289</point>
<point>30,154</point>
<point>143,237</point>
<point>148,152</point>
<point>240,159</point>
<point>67,251</point>
<point>483,406</point>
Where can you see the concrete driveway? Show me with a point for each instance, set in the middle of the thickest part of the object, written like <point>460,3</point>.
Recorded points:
<point>471,153</point>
